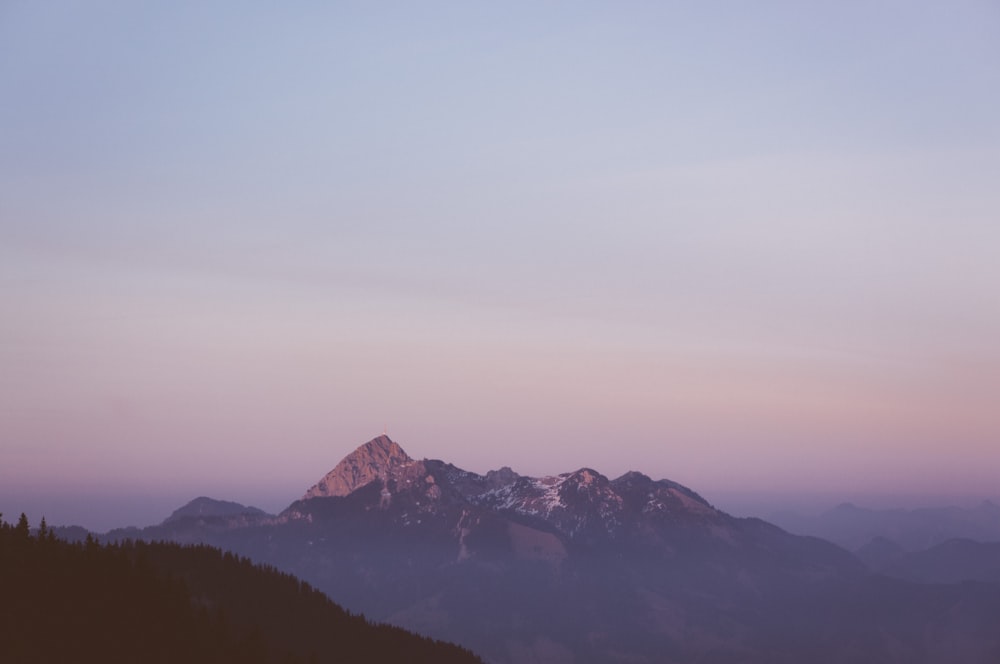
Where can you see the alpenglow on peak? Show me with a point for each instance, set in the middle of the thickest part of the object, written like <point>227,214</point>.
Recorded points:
<point>369,462</point>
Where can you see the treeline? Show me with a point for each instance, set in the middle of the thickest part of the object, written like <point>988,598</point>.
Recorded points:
<point>160,602</point>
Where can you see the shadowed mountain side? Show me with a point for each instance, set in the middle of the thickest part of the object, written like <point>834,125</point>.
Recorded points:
<point>951,562</point>
<point>879,552</point>
<point>580,568</point>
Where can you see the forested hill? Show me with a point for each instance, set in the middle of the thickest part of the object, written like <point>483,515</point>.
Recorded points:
<point>159,602</point>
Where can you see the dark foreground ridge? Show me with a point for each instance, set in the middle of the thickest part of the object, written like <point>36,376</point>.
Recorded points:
<point>159,602</point>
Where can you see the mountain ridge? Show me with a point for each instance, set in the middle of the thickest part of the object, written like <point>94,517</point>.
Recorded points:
<point>581,505</point>
<point>578,567</point>
<point>854,527</point>
<point>204,506</point>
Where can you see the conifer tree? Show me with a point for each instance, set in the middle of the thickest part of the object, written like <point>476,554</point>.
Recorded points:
<point>22,530</point>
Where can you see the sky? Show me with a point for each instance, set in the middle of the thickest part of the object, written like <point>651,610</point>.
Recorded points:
<point>750,247</point>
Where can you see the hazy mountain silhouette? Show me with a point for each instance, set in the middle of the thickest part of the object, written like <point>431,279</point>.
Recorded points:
<point>852,527</point>
<point>950,562</point>
<point>879,553</point>
<point>203,507</point>
<point>580,567</point>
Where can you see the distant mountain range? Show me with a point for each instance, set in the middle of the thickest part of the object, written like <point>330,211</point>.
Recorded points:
<point>853,527</point>
<point>578,567</point>
<point>953,561</point>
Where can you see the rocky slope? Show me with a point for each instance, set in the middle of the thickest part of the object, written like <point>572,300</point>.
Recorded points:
<point>372,461</point>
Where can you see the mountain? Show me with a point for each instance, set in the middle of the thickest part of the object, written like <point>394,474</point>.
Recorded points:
<point>579,567</point>
<point>158,602</point>
<point>372,461</point>
<point>852,526</point>
<point>188,523</point>
<point>203,507</point>
<point>953,561</point>
<point>879,553</point>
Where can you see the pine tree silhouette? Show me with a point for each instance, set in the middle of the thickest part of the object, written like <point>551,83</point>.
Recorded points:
<point>139,602</point>
<point>22,529</point>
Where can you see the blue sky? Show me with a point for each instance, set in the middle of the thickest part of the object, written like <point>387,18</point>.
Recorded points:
<point>742,246</point>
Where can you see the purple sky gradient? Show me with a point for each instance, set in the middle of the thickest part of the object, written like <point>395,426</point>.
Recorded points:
<point>748,248</point>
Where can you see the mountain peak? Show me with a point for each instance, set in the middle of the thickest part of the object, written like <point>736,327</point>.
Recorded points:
<point>382,445</point>
<point>209,507</point>
<point>367,463</point>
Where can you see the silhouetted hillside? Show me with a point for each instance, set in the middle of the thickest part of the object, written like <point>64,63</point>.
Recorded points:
<point>159,602</point>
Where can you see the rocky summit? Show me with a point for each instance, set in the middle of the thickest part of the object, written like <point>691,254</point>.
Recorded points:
<point>372,461</point>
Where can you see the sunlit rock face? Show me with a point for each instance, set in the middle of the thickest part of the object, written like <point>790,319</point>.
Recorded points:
<point>372,461</point>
